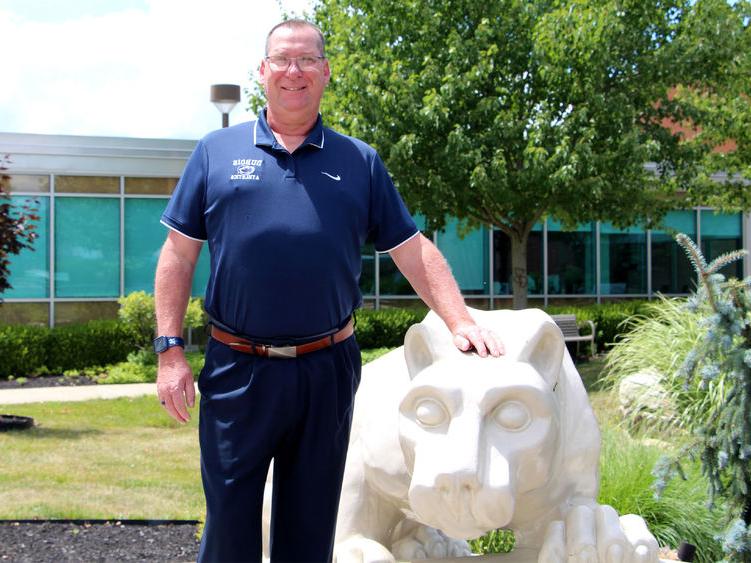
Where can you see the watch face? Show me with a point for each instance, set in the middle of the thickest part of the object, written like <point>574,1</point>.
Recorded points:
<point>160,344</point>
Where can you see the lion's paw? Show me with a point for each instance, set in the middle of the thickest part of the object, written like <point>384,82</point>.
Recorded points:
<point>358,549</point>
<point>598,535</point>
<point>428,543</point>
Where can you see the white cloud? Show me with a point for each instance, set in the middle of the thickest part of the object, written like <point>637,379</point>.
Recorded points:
<point>134,73</point>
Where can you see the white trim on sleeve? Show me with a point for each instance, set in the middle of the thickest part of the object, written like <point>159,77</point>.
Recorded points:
<point>410,237</point>
<point>170,227</point>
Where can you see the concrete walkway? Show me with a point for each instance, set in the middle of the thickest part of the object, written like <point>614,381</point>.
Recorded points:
<point>75,393</point>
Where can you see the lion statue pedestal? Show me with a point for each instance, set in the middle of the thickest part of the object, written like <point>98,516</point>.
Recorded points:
<point>446,446</point>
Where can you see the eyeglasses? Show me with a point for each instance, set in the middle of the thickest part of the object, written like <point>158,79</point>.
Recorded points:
<point>306,62</point>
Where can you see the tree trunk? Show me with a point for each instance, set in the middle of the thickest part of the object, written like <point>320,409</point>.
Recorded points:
<point>519,269</point>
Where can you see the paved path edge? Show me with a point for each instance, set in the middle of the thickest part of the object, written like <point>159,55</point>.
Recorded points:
<point>69,393</point>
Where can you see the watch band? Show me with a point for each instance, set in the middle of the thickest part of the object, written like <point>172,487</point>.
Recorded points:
<point>164,343</point>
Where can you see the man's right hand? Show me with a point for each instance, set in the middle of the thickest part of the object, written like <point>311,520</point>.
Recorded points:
<point>174,384</point>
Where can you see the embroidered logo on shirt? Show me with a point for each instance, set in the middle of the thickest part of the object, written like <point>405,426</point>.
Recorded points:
<point>245,169</point>
<point>337,177</point>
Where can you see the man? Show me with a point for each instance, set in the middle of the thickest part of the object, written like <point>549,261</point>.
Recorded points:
<point>285,205</point>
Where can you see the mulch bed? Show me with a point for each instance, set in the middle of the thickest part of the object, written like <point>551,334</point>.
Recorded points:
<point>55,542</point>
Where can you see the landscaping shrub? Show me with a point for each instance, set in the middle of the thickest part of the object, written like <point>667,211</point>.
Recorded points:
<point>660,342</point>
<point>610,318</point>
<point>27,350</point>
<point>95,343</point>
<point>23,349</point>
<point>385,327</point>
<point>680,514</point>
<point>137,312</point>
<point>32,350</point>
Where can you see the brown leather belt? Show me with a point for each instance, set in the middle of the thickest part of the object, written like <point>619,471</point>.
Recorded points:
<point>249,347</point>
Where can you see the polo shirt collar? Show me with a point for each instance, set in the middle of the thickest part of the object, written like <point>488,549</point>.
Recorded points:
<point>263,136</point>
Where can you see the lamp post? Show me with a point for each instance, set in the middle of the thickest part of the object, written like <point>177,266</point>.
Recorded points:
<point>225,97</point>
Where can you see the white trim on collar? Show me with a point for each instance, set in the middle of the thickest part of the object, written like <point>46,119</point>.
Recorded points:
<point>322,139</point>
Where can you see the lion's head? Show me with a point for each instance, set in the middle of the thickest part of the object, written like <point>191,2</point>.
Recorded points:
<point>495,442</point>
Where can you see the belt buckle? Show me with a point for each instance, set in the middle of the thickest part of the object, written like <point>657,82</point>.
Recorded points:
<point>280,351</point>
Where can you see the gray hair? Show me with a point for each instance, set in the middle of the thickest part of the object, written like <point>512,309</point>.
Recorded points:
<point>297,23</point>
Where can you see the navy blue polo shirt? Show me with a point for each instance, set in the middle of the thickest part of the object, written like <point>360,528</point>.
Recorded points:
<point>285,230</point>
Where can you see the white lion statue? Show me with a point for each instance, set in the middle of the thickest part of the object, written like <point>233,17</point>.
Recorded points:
<point>446,446</point>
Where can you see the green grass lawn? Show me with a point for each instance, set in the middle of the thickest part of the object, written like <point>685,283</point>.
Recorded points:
<point>120,458</point>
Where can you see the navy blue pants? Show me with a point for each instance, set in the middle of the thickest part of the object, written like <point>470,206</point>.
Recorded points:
<point>297,412</point>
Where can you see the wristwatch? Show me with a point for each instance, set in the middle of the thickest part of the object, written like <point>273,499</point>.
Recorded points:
<point>164,343</point>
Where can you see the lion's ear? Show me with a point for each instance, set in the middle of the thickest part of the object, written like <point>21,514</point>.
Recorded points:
<point>420,348</point>
<point>544,351</point>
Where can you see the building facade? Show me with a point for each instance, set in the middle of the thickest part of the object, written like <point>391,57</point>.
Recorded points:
<point>99,200</point>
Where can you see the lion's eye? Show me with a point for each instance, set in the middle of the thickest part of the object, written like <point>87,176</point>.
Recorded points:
<point>512,415</point>
<point>430,413</point>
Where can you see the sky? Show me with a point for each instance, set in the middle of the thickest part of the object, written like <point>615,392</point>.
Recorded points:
<point>128,68</point>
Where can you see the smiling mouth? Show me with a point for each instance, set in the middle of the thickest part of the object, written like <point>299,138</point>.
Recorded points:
<point>291,89</point>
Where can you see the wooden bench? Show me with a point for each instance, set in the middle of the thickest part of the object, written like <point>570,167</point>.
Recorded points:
<point>570,329</point>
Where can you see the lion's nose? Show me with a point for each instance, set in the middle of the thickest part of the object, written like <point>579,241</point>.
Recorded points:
<point>461,483</point>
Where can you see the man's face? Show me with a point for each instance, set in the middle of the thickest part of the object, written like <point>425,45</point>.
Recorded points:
<point>294,91</point>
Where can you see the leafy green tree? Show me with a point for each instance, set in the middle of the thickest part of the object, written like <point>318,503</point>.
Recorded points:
<point>509,111</point>
<point>16,226</point>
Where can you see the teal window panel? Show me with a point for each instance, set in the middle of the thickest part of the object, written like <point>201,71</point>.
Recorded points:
<point>676,222</point>
<point>29,270</point>
<point>367,273</point>
<point>610,229</point>
<point>467,256</point>
<point>555,226</point>
<point>420,221</point>
<point>144,237</point>
<point>502,272</point>
<point>720,225</point>
<point>623,260</point>
<point>571,259</point>
<point>201,273</point>
<point>722,233</point>
<point>87,247</point>
<point>202,270</point>
<point>391,280</point>
<point>672,273</point>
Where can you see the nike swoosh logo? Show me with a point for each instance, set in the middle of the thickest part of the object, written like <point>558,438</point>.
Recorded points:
<point>337,177</point>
